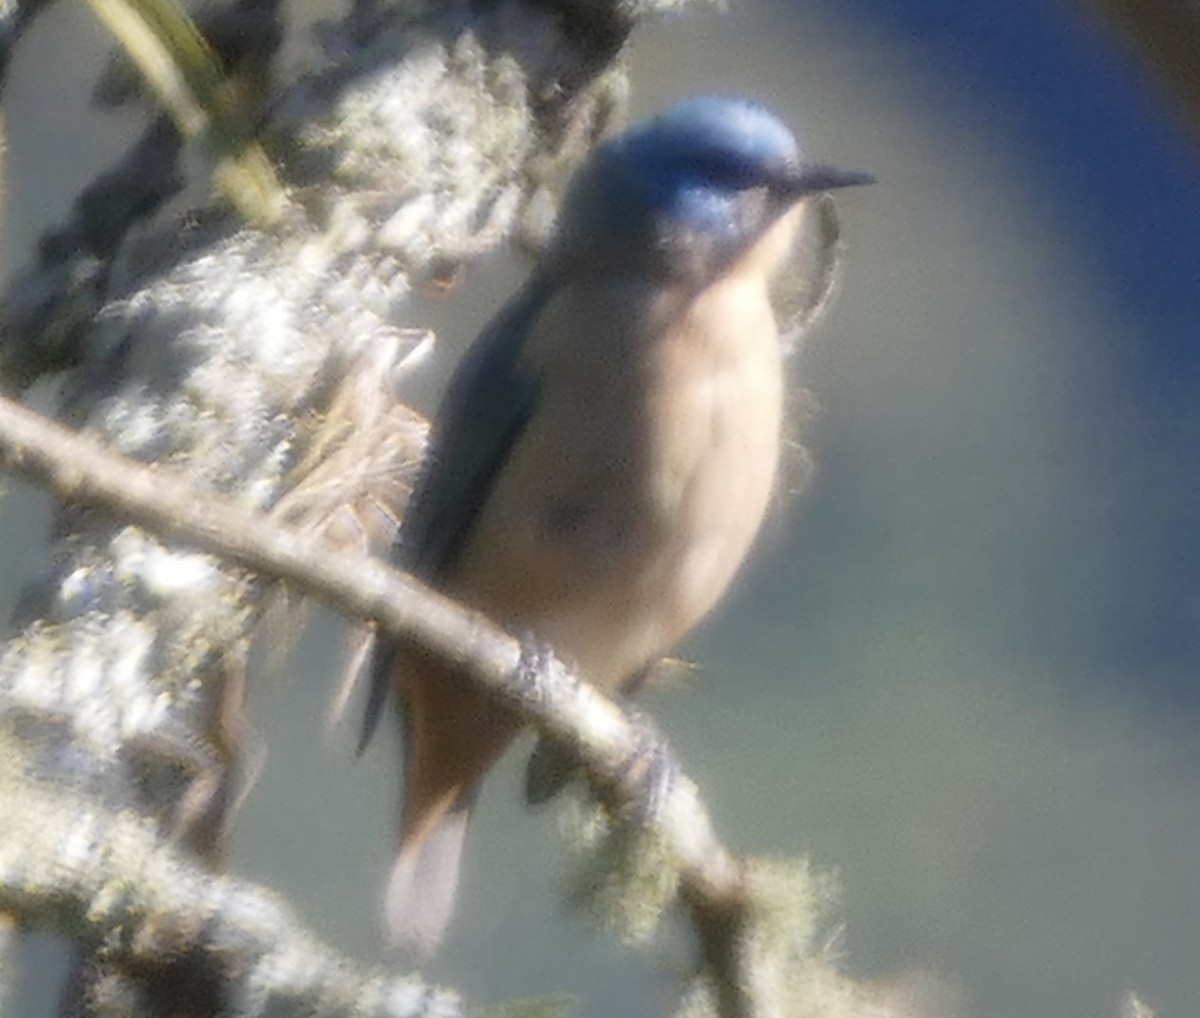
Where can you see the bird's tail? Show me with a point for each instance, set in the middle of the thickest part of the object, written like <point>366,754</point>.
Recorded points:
<point>423,885</point>
<point>452,735</point>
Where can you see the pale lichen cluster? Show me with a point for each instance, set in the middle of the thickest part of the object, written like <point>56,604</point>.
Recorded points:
<point>249,361</point>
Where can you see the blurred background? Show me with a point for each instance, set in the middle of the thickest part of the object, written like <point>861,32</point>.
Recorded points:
<point>963,669</point>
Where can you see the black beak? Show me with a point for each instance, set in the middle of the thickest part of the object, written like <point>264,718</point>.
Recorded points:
<point>810,178</point>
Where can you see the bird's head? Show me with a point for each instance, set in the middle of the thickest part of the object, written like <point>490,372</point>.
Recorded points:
<point>688,191</point>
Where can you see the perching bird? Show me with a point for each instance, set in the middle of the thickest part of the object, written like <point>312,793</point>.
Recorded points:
<point>606,452</point>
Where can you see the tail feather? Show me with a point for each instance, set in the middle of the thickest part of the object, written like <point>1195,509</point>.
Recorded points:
<point>452,735</point>
<point>423,886</point>
<point>378,659</point>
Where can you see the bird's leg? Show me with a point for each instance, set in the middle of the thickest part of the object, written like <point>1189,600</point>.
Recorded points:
<point>555,763</point>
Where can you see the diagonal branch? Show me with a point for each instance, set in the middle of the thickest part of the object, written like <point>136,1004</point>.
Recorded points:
<point>627,764</point>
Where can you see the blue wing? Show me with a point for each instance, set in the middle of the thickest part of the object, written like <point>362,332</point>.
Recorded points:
<point>486,406</point>
<point>488,402</point>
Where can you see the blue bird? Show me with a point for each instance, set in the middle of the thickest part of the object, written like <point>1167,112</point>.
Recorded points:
<point>606,452</point>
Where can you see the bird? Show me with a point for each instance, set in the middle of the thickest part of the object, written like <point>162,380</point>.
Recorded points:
<point>604,454</point>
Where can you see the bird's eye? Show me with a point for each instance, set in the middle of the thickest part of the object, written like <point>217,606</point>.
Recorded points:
<point>725,169</point>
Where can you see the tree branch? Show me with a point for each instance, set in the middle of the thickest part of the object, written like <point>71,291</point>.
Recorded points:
<point>263,365</point>
<point>632,769</point>
<point>62,855</point>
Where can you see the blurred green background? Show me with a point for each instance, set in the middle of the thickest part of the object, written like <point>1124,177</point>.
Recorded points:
<point>962,670</point>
